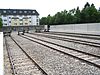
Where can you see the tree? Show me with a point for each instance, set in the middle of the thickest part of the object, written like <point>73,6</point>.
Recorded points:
<point>85,13</point>
<point>89,14</point>
<point>93,13</point>
<point>52,19</point>
<point>43,21</point>
<point>72,11</point>
<point>0,23</point>
<point>98,16</point>
<point>58,19</point>
<point>87,5</point>
<point>78,15</point>
<point>48,19</point>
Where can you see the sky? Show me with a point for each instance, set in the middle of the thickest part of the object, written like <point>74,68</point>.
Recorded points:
<point>45,7</point>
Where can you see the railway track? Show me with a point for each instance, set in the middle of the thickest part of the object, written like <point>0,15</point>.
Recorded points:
<point>94,44</point>
<point>86,57</point>
<point>7,65</point>
<point>71,45</point>
<point>21,62</point>
<point>80,35</point>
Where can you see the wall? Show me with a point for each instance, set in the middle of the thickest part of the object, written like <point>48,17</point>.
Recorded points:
<point>91,28</point>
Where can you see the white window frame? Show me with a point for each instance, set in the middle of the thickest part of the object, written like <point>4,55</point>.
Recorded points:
<point>33,11</point>
<point>25,11</point>
<point>4,11</point>
<point>14,11</point>
<point>20,11</point>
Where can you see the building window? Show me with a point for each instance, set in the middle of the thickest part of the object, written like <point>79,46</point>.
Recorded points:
<point>29,11</point>
<point>4,15</point>
<point>4,11</point>
<point>9,17</point>
<point>21,23</point>
<point>37,17</point>
<point>5,20</point>
<point>25,11</point>
<point>15,15</point>
<point>25,15</point>
<point>15,23</point>
<point>9,21</point>
<point>5,23</point>
<point>15,19</point>
<point>37,20</point>
<point>21,15</point>
<point>37,23</point>
<point>14,12</point>
<point>33,11</point>
<point>26,23</point>
<point>21,19</point>
<point>26,19</point>
<point>20,11</point>
<point>9,11</point>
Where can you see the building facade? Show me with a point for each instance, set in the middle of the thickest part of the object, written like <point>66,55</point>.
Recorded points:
<point>19,17</point>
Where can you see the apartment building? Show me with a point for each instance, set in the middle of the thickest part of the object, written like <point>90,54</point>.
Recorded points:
<point>19,17</point>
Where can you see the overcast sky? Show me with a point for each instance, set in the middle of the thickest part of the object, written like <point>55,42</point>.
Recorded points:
<point>45,7</point>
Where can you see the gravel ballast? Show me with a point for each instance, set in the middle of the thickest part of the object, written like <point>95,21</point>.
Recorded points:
<point>80,47</point>
<point>53,62</point>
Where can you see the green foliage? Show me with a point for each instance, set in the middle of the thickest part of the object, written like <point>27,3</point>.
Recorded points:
<point>89,14</point>
<point>87,5</point>
<point>43,21</point>
<point>0,23</point>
